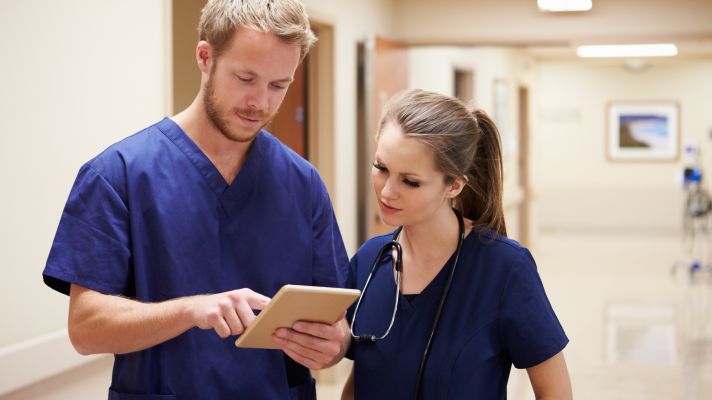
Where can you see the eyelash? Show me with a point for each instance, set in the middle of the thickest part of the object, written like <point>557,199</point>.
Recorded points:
<point>250,80</point>
<point>408,182</point>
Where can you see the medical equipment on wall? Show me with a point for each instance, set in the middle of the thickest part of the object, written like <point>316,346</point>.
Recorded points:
<point>396,260</point>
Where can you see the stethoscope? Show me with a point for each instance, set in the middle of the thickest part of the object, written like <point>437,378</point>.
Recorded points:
<point>397,263</point>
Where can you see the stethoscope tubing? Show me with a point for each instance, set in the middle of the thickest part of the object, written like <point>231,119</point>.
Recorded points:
<point>391,245</point>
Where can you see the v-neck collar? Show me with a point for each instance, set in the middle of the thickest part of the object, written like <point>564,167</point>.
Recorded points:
<point>433,290</point>
<point>243,184</point>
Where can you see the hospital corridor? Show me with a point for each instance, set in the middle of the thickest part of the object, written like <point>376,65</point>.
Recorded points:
<point>606,159</point>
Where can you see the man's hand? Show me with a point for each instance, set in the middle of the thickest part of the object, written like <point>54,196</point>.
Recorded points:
<point>228,313</point>
<point>314,345</point>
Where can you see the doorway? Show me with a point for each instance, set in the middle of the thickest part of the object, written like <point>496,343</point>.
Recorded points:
<point>382,72</point>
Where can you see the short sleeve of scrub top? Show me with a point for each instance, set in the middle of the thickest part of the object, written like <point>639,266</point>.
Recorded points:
<point>152,219</point>
<point>526,316</point>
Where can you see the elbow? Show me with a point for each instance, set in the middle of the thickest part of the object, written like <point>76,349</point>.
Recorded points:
<point>78,340</point>
<point>82,338</point>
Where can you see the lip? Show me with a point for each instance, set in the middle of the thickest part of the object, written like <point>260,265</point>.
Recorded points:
<point>248,121</point>
<point>388,209</point>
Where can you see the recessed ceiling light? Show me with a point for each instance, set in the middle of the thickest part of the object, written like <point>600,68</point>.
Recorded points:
<point>564,5</point>
<point>627,50</point>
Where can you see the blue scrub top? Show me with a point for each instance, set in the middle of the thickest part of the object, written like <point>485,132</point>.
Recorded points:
<point>497,314</point>
<point>151,218</point>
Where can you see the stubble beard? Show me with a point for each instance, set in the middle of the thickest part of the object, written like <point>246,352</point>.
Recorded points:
<point>219,117</point>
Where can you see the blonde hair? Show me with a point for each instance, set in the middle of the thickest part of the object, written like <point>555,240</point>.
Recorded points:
<point>287,19</point>
<point>466,145</point>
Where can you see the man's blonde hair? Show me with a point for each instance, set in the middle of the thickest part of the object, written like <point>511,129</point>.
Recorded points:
<point>287,19</point>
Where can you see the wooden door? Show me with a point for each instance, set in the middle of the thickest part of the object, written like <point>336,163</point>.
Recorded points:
<point>289,125</point>
<point>383,71</point>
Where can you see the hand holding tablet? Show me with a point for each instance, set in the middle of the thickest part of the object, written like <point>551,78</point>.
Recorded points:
<point>296,303</point>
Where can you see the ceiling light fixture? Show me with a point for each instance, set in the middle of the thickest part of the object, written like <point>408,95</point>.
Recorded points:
<point>564,5</point>
<point>627,50</point>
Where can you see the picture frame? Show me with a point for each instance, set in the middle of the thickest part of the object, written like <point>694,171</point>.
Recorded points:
<point>643,131</point>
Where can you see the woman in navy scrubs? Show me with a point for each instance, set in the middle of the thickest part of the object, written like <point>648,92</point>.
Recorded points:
<point>449,303</point>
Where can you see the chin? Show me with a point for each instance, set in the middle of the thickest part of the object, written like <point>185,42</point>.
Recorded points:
<point>391,220</point>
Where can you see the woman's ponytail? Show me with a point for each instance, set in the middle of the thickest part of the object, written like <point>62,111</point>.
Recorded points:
<point>481,200</point>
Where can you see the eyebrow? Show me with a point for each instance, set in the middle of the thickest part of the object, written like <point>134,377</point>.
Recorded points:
<point>411,174</point>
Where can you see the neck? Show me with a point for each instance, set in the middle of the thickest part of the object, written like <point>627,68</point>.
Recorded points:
<point>433,239</point>
<point>227,155</point>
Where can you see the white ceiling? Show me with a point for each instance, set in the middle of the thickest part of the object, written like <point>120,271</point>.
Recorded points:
<point>687,23</point>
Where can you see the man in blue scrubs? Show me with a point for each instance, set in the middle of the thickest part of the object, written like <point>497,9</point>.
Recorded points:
<point>173,236</point>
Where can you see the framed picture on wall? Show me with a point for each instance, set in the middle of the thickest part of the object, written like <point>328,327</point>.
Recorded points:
<point>643,131</point>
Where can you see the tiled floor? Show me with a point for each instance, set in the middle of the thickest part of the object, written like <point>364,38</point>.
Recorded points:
<point>637,331</point>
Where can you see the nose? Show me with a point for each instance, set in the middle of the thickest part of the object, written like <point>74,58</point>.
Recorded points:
<point>257,98</point>
<point>389,190</point>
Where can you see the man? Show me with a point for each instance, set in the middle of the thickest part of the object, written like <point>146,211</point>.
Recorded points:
<point>185,227</point>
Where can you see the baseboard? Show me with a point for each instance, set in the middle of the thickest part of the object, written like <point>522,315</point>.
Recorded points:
<point>39,358</point>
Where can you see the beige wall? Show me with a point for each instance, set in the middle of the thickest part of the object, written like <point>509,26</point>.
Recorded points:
<point>575,184</point>
<point>77,75</point>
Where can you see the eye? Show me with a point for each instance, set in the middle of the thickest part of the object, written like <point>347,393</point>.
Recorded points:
<point>280,86</point>
<point>410,183</point>
<point>379,166</point>
<point>244,79</point>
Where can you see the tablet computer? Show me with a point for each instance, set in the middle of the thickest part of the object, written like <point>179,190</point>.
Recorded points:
<point>294,303</point>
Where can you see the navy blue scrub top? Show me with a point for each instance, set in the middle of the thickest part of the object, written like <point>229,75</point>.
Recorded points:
<point>151,218</point>
<point>497,314</point>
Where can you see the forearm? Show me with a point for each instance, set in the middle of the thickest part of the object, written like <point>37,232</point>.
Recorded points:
<point>348,391</point>
<point>101,323</point>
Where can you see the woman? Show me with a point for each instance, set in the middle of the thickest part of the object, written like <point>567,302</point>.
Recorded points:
<point>448,303</point>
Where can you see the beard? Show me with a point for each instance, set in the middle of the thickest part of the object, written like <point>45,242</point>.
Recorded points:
<point>219,116</point>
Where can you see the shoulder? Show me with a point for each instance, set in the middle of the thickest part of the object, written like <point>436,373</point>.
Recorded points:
<point>495,249</point>
<point>113,163</point>
<point>370,248</point>
<point>285,164</point>
<point>134,147</point>
<point>280,155</point>
<point>376,241</point>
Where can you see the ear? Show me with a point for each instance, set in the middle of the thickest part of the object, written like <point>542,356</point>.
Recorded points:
<point>455,188</point>
<point>204,56</point>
